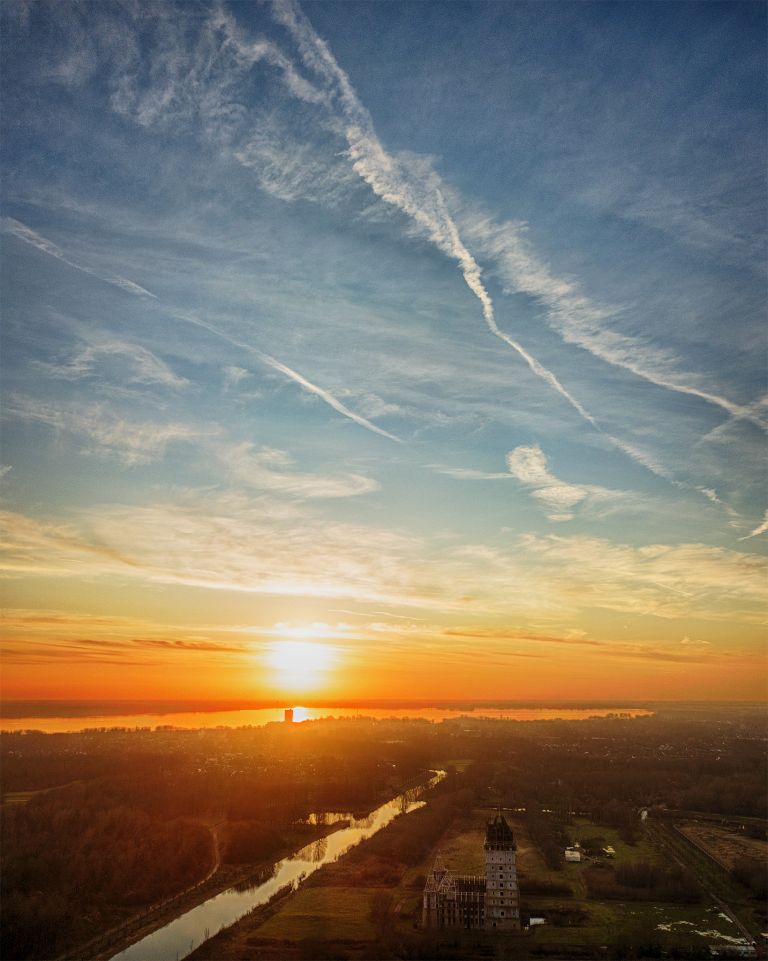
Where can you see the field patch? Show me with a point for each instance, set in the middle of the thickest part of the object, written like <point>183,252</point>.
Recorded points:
<point>724,845</point>
<point>461,848</point>
<point>323,914</point>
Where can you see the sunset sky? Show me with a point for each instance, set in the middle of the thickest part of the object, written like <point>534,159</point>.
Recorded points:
<point>425,337</point>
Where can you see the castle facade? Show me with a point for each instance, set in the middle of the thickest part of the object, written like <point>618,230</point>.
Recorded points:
<point>466,901</point>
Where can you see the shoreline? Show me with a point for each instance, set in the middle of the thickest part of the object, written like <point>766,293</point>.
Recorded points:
<point>226,876</point>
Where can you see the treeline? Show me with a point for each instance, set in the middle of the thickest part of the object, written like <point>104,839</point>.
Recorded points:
<point>81,857</point>
<point>69,868</point>
<point>739,793</point>
<point>585,765</point>
<point>549,837</point>
<point>641,881</point>
<point>753,874</point>
<point>250,842</point>
<point>405,842</point>
<point>334,784</point>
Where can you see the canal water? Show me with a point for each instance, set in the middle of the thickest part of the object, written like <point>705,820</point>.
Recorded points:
<point>182,935</point>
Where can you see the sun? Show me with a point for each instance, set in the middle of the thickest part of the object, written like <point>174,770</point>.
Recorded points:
<point>300,665</point>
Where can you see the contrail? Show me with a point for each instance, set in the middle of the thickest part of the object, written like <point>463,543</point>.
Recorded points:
<point>20,230</point>
<point>577,320</point>
<point>294,375</point>
<point>326,396</point>
<point>424,203</point>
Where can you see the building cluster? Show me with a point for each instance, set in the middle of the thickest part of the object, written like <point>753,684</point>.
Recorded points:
<point>468,901</point>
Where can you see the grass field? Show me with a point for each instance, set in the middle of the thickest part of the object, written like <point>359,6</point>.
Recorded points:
<point>323,913</point>
<point>461,848</point>
<point>337,914</point>
<point>644,850</point>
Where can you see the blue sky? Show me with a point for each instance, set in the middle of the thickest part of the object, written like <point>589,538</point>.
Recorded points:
<point>449,316</point>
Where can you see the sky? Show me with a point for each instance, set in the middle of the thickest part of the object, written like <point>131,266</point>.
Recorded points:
<point>384,349</point>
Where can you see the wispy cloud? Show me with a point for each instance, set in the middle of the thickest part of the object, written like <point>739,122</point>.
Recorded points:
<point>696,652</point>
<point>137,364</point>
<point>581,321</point>
<point>264,544</point>
<point>103,431</point>
<point>269,469</point>
<point>530,467</point>
<point>133,442</point>
<point>761,528</point>
<point>29,236</point>
<point>661,579</point>
<point>411,185</point>
<point>406,183</point>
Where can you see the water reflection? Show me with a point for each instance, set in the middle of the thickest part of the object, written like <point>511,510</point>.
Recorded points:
<point>336,817</point>
<point>316,851</point>
<point>261,716</point>
<point>181,936</point>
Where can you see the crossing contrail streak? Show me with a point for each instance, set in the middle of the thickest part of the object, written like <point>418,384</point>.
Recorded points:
<point>293,375</point>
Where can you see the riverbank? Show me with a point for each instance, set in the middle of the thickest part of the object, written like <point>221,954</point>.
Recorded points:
<point>225,877</point>
<point>191,926</point>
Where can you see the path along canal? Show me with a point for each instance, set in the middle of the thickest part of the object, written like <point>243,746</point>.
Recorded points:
<point>182,935</point>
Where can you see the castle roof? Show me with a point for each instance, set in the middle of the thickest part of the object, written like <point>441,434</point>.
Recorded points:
<point>498,834</point>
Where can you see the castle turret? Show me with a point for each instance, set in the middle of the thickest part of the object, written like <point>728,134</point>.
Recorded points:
<point>502,896</point>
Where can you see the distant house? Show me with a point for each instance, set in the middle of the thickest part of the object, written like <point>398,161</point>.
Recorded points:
<point>609,852</point>
<point>572,854</point>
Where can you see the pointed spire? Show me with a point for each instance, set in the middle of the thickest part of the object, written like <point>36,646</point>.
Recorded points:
<point>498,834</point>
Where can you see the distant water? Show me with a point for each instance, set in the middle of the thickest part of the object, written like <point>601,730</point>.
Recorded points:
<point>256,718</point>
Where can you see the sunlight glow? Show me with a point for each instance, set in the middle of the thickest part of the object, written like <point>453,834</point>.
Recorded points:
<point>300,665</point>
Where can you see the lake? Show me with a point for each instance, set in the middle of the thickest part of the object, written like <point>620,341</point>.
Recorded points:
<point>261,716</point>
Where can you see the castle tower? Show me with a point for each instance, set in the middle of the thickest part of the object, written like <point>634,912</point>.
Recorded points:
<point>430,912</point>
<point>502,896</point>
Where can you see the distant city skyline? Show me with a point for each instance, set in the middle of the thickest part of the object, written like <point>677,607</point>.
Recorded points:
<point>384,350</point>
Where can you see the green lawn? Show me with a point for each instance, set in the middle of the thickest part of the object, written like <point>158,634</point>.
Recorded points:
<point>644,850</point>
<point>323,913</point>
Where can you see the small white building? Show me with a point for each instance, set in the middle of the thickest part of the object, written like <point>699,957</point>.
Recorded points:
<point>572,854</point>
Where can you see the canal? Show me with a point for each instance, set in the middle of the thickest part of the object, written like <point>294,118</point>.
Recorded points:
<point>182,935</point>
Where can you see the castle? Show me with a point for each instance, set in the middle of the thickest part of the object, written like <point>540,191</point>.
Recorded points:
<point>466,901</point>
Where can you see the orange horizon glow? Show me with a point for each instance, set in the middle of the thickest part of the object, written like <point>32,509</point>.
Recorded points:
<point>46,658</point>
